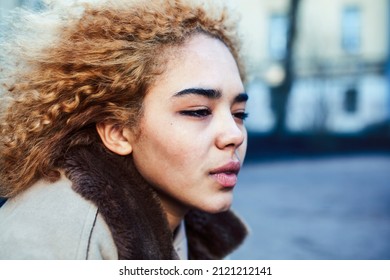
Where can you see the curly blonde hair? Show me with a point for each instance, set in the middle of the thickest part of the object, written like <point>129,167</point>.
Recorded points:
<point>97,66</point>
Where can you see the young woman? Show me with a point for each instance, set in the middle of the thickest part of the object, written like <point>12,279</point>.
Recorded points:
<point>122,136</point>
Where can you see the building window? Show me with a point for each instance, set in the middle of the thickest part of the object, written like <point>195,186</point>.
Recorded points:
<point>351,29</point>
<point>350,100</point>
<point>277,36</point>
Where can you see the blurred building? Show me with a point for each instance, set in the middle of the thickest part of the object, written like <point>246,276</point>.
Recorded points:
<point>340,63</point>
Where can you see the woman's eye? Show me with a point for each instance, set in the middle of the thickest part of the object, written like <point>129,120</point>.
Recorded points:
<point>241,115</point>
<point>201,113</point>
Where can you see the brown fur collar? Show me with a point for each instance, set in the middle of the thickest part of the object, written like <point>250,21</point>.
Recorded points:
<point>133,211</point>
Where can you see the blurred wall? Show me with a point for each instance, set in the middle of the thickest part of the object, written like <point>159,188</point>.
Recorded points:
<point>319,29</point>
<point>340,61</point>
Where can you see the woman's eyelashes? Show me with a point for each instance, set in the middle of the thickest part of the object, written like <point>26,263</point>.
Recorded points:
<point>198,113</point>
<point>241,115</point>
<point>203,113</point>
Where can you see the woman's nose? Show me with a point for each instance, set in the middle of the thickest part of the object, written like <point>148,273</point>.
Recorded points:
<point>230,133</point>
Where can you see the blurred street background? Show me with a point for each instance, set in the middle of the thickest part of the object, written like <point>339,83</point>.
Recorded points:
<point>316,181</point>
<point>328,208</point>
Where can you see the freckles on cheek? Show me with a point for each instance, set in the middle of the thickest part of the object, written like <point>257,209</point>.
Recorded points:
<point>173,141</point>
<point>181,155</point>
<point>177,153</point>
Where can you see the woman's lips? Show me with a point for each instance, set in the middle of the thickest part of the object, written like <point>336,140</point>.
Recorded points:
<point>227,180</point>
<point>226,175</point>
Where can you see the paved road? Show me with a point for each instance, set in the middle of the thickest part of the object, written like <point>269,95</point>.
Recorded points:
<point>329,208</point>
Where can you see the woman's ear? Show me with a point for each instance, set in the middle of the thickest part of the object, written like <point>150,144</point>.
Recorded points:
<point>115,138</point>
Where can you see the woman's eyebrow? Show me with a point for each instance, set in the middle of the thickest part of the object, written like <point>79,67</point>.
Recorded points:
<point>242,97</point>
<point>210,93</point>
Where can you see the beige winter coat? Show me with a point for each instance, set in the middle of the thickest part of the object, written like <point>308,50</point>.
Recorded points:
<point>51,221</point>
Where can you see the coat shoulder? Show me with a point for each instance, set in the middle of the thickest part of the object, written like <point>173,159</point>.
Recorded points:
<point>52,221</point>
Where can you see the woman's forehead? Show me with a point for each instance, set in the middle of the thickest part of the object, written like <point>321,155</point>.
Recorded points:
<point>197,51</point>
<point>202,62</point>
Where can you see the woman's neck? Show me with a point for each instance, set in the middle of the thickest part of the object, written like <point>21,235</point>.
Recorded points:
<point>175,213</point>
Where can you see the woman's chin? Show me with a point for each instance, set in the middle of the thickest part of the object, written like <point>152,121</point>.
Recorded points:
<point>214,207</point>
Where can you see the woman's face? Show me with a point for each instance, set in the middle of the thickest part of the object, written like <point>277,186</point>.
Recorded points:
<point>192,138</point>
